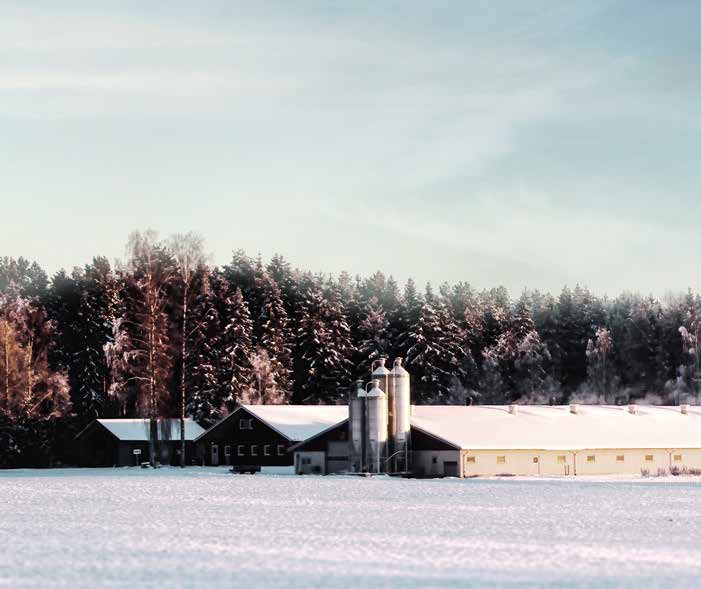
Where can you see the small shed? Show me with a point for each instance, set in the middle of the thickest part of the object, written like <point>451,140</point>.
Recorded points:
<point>125,442</point>
<point>328,452</point>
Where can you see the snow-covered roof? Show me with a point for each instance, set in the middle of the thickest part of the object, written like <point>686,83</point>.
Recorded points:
<point>493,427</point>
<point>137,430</point>
<point>299,422</point>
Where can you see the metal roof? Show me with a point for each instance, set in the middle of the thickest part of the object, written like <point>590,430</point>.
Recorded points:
<point>493,427</point>
<point>299,422</point>
<point>137,430</point>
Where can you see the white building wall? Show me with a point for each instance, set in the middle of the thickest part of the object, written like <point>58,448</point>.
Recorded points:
<point>310,462</point>
<point>608,461</point>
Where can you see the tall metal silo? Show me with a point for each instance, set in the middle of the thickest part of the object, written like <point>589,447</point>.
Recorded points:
<point>377,427</point>
<point>357,426</point>
<point>379,371</point>
<point>400,396</point>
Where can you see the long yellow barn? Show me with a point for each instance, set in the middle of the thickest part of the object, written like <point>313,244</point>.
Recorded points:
<point>563,440</point>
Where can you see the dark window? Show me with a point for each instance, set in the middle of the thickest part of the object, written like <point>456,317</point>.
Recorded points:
<point>435,460</point>
<point>280,450</point>
<point>254,450</point>
<point>245,424</point>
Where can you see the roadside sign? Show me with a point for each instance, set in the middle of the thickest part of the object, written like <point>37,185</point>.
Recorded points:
<point>137,452</point>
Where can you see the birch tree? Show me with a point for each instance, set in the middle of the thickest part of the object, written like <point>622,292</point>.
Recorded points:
<point>188,251</point>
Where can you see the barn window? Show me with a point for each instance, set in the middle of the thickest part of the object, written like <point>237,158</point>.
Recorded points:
<point>677,458</point>
<point>535,460</point>
<point>470,459</point>
<point>241,450</point>
<point>649,457</point>
<point>280,450</point>
<point>227,450</point>
<point>620,458</point>
<point>254,450</point>
<point>501,459</point>
<point>591,458</point>
<point>562,459</point>
<point>306,460</point>
<point>435,460</point>
<point>245,424</point>
<point>266,450</point>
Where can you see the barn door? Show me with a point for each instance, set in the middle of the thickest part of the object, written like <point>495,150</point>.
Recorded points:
<point>215,455</point>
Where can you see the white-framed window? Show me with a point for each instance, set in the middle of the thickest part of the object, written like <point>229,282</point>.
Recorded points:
<point>649,457</point>
<point>241,450</point>
<point>245,424</point>
<point>254,450</point>
<point>620,458</point>
<point>677,458</point>
<point>280,449</point>
<point>306,460</point>
<point>227,450</point>
<point>501,459</point>
<point>470,459</point>
<point>591,458</point>
<point>562,459</point>
<point>266,450</point>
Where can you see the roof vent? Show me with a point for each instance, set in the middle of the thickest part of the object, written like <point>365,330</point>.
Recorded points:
<point>513,409</point>
<point>632,408</point>
<point>574,408</point>
<point>684,409</point>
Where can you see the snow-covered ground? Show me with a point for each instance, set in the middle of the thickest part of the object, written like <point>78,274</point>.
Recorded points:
<point>207,528</point>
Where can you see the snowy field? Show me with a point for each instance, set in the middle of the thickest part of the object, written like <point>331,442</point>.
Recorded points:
<point>207,528</point>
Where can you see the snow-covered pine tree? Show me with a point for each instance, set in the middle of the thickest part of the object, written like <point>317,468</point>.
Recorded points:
<point>94,330</point>
<point>275,338</point>
<point>373,336</point>
<point>324,349</point>
<point>434,357</point>
<point>237,346</point>
<point>206,394</point>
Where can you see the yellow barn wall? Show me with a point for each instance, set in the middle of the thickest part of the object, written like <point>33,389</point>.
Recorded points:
<point>548,462</point>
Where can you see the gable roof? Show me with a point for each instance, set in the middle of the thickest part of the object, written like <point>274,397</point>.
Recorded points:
<point>301,445</point>
<point>492,427</point>
<point>299,422</point>
<point>137,430</point>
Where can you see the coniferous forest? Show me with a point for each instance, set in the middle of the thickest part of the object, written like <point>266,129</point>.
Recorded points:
<point>163,327</point>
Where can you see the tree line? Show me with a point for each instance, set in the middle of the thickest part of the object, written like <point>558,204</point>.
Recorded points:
<point>164,333</point>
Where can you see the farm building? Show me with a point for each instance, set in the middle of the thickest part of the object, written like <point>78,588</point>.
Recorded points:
<point>125,442</point>
<point>385,434</point>
<point>560,440</point>
<point>489,440</point>
<point>261,435</point>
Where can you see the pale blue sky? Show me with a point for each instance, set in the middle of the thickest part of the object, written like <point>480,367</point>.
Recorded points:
<point>525,144</point>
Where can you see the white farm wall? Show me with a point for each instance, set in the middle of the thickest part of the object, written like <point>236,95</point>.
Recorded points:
<point>310,462</point>
<point>609,461</point>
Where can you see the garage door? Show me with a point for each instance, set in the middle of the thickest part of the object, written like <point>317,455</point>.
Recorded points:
<point>450,468</point>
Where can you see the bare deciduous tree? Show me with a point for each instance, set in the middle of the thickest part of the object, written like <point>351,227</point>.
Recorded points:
<point>188,250</point>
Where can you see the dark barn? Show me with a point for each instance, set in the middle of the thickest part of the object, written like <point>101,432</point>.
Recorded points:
<point>125,442</point>
<point>260,435</point>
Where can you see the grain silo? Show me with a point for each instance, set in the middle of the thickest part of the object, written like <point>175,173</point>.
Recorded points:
<point>357,426</point>
<point>400,426</point>
<point>376,402</point>
<point>380,372</point>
